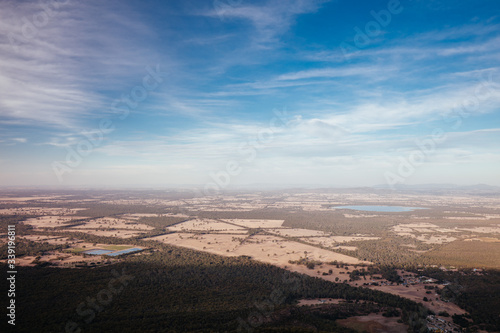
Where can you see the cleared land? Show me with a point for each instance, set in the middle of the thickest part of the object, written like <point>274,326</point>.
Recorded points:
<point>107,233</point>
<point>333,241</point>
<point>297,232</point>
<point>473,254</point>
<point>251,223</point>
<point>108,223</point>
<point>265,248</point>
<point>460,231</point>
<point>51,221</point>
<point>204,225</point>
<point>429,233</point>
<point>414,292</point>
<point>56,258</point>
<point>39,211</point>
<point>49,239</point>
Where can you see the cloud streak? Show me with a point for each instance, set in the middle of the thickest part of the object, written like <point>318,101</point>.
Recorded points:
<point>225,73</point>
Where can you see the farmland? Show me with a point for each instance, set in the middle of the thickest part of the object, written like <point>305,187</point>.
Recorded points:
<point>297,231</point>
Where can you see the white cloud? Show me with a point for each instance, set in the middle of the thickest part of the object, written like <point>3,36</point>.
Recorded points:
<point>51,75</point>
<point>336,72</point>
<point>269,20</point>
<point>20,140</point>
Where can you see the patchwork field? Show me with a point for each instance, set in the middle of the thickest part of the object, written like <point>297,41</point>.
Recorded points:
<point>256,223</point>
<point>429,233</point>
<point>297,232</point>
<point>107,233</point>
<point>204,225</point>
<point>58,259</point>
<point>333,241</point>
<point>484,230</point>
<point>49,239</point>
<point>39,211</point>
<point>468,253</point>
<point>107,223</point>
<point>137,216</point>
<point>51,221</point>
<point>265,248</point>
<point>279,228</point>
<point>413,292</point>
<point>431,239</point>
<point>67,257</point>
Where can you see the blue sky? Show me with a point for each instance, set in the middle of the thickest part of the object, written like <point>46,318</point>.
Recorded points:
<point>232,92</point>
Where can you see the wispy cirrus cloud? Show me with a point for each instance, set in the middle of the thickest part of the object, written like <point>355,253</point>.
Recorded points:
<point>225,73</point>
<point>56,73</point>
<point>270,19</point>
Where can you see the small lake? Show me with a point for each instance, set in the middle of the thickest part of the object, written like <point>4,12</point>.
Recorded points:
<point>391,209</point>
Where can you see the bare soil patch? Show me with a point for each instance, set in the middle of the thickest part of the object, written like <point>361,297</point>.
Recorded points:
<point>332,241</point>
<point>253,223</point>
<point>204,225</point>
<point>289,232</point>
<point>51,221</point>
<point>108,233</point>
<point>59,259</point>
<point>109,222</point>
<point>39,211</point>
<point>417,294</point>
<point>265,248</point>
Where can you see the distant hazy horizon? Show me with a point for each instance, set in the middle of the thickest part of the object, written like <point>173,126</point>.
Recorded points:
<point>198,189</point>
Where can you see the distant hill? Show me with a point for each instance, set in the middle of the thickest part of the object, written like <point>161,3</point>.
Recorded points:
<point>442,188</point>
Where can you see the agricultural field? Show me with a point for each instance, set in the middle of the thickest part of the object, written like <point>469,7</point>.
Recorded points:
<point>113,223</point>
<point>298,232</point>
<point>29,210</point>
<point>255,223</point>
<point>205,225</point>
<point>120,233</point>
<point>51,221</point>
<point>483,252</point>
<point>418,236</point>
<point>265,248</point>
<point>295,232</point>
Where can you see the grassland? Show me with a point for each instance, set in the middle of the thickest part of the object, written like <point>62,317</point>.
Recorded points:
<point>473,254</point>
